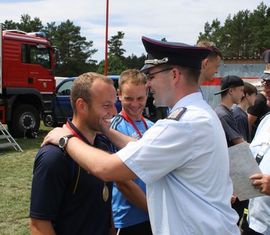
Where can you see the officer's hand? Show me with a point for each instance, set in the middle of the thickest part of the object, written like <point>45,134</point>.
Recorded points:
<point>55,134</point>
<point>233,198</point>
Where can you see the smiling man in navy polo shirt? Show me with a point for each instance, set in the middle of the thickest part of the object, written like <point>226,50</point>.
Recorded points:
<point>65,198</point>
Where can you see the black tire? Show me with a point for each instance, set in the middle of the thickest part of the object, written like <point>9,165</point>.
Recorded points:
<point>24,121</point>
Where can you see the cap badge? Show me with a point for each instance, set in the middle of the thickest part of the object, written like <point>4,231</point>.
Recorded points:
<point>156,61</point>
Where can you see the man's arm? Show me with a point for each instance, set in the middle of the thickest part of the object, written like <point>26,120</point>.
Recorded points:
<point>41,227</point>
<point>251,120</point>
<point>133,193</point>
<point>112,229</point>
<point>262,182</point>
<point>119,139</point>
<point>98,162</point>
<point>238,141</point>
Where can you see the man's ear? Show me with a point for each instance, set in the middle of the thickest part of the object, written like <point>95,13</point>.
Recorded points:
<point>176,73</point>
<point>230,91</point>
<point>81,105</point>
<point>119,94</point>
<point>205,63</point>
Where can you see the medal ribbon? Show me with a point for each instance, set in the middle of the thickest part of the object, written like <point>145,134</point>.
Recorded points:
<point>105,191</point>
<point>129,120</point>
<point>70,127</point>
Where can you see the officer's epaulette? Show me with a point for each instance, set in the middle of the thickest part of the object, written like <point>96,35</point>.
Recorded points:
<point>177,114</point>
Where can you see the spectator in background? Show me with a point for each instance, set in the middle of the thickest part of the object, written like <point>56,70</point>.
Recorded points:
<point>261,106</point>
<point>232,92</point>
<point>240,110</point>
<point>129,205</point>
<point>211,63</point>
<point>259,207</point>
<point>241,119</point>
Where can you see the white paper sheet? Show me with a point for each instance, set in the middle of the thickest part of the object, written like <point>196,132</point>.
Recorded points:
<point>242,166</point>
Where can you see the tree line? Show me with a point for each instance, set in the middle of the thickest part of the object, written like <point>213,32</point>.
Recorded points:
<point>75,52</point>
<point>245,34</point>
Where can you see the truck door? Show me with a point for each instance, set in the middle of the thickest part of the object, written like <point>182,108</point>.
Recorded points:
<point>14,72</point>
<point>39,65</point>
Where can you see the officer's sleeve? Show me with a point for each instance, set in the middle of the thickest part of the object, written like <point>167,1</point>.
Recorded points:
<point>163,148</point>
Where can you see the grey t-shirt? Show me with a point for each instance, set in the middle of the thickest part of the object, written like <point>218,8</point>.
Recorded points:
<point>228,123</point>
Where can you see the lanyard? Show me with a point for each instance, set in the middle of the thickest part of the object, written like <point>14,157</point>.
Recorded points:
<point>129,120</point>
<point>76,132</point>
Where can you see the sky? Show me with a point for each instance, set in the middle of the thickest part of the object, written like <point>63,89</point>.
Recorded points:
<point>175,20</point>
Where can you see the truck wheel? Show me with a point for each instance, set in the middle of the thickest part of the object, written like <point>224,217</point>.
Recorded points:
<point>25,121</point>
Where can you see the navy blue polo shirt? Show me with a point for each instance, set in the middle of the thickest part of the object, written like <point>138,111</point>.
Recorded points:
<point>67,195</point>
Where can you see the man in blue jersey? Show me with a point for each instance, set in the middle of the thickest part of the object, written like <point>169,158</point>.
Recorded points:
<point>129,200</point>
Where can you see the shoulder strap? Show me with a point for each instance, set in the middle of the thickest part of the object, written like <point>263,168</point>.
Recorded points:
<point>177,114</point>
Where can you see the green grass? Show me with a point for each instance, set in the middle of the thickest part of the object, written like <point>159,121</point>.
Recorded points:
<point>15,184</point>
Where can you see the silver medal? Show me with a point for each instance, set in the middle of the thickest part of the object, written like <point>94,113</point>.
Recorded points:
<point>105,192</point>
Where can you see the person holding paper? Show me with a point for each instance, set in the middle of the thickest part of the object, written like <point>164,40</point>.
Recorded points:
<point>232,92</point>
<point>261,181</point>
<point>261,106</point>
<point>259,207</point>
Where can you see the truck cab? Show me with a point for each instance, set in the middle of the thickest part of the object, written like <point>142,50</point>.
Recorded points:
<point>27,80</point>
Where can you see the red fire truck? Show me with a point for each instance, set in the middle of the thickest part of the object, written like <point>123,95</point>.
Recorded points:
<point>27,80</point>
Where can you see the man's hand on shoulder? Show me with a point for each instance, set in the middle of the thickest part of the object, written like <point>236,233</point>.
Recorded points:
<point>55,134</point>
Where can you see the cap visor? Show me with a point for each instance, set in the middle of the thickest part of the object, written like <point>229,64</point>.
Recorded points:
<point>266,76</point>
<point>219,92</point>
<point>146,67</point>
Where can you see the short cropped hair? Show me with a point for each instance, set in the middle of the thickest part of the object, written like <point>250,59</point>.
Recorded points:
<point>191,74</point>
<point>215,52</point>
<point>132,75</point>
<point>249,89</point>
<point>81,87</point>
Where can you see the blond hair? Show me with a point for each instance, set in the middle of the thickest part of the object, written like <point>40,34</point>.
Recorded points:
<point>215,52</point>
<point>132,75</point>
